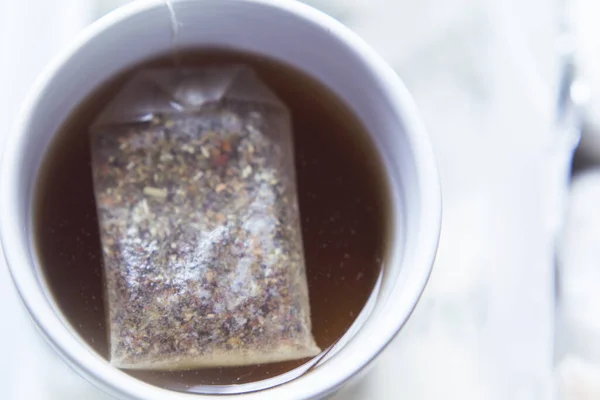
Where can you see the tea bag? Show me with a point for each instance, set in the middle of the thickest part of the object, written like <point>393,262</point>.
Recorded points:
<point>195,189</point>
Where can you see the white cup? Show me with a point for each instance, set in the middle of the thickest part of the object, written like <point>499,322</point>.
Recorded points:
<point>284,30</point>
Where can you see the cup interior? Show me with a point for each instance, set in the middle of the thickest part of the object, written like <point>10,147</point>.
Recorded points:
<point>293,34</point>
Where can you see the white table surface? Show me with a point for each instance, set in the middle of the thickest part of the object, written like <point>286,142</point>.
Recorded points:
<point>482,73</point>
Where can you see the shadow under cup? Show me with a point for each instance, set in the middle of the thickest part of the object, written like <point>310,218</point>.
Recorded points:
<point>305,39</point>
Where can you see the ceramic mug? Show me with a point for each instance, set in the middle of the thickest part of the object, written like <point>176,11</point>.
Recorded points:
<point>287,31</point>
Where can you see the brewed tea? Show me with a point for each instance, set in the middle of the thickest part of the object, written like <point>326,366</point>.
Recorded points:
<point>342,193</point>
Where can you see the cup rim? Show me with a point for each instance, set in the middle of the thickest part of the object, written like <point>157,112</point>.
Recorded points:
<point>117,383</point>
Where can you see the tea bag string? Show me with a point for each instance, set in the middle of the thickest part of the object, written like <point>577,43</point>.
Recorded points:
<point>174,32</point>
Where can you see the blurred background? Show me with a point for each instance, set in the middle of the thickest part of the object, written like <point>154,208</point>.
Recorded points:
<point>505,87</point>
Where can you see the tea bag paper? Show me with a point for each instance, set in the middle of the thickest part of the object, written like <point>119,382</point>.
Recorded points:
<point>199,221</point>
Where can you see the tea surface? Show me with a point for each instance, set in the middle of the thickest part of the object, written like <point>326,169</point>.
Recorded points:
<point>343,200</point>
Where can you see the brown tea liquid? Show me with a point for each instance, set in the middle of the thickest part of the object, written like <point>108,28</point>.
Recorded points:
<point>343,203</point>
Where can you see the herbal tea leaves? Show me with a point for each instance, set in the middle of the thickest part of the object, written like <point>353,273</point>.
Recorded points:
<point>199,223</point>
